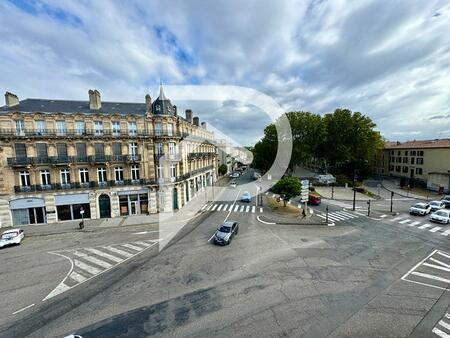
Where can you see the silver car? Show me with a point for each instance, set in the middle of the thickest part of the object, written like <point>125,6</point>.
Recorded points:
<point>226,232</point>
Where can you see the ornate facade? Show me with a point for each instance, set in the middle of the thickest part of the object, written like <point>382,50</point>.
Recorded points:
<point>64,160</point>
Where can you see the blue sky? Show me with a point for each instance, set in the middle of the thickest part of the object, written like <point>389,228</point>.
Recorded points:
<point>389,60</point>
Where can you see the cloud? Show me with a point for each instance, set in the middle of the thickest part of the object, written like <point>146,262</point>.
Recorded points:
<point>389,60</point>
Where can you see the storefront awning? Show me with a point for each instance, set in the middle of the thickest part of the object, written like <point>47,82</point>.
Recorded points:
<point>71,199</point>
<point>24,203</point>
<point>132,192</point>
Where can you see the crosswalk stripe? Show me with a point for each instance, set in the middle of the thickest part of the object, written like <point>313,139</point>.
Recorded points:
<point>383,216</point>
<point>346,214</point>
<point>132,247</point>
<point>323,216</point>
<point>413,224</point>
<point>337,216</point>
<point>225,207</point>
<point>444,324</point>
<point>446,233</point>
<point>443,254</point>
<point>77,277</point>
<point>145,244</point>
<point>106,255</point>
<point>220,207</point>
<point>99,262</point>
<point>247,208</point>
<point>86,267</point>
<point>236,207</point>
<point>334,218</point>
<point>396,219</point>
<point>253,209</point>
<point>426,225</point>
<point>241,209</point>
<point>439,262</point>
<point>214,207</point>
<point>440,333</point>
<point>405,221</point>
<point>117,251</point>
<point>209,207</point>
<point>203,207</point>
<point>426,275</point>
<point>260,209</point>
<point>435,229</point>
<point>436,267</point>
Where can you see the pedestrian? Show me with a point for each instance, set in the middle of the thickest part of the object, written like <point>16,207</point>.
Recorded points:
<point>304,212</point>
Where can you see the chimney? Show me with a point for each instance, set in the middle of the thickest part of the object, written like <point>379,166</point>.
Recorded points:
<point>189,115</point>
<point>95,102</point>
<point>11,99</point>
<point>148,103</point>
<point>196,121</point>
<point>204,125</point>
<point>175,111</point>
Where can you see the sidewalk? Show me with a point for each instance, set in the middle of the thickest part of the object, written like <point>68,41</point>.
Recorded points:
<point>183,215</point>
<point>394,185</point>
<point>342,194</point>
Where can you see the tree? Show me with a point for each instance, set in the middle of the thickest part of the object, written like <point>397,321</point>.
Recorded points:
<point>222,169</point>
<point>288,187</point>
<point>265,151</point>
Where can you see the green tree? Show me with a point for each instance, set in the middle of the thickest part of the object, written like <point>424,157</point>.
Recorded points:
<point>288,187</point>
<point>222,169</point>
<point>265,150</point>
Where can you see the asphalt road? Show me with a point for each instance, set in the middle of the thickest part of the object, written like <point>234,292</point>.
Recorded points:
<point>272,280</point>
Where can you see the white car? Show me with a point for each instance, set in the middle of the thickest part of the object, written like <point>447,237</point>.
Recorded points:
<point>420,209</point>
<point>437,205</point>
<point>441,216</point>
<point>13,236</point>
<point>233,184</point>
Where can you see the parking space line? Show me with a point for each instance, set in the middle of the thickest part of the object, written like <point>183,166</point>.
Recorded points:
<point>435,229</point>
<point>426,225</point>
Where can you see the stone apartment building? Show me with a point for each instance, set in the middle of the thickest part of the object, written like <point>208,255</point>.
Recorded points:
<point>425,162</point>
<point>64,160</point>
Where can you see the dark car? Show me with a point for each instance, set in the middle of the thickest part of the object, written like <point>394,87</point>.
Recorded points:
<point>314,200</point>
<point>226,232</point>
<point>446,200</point>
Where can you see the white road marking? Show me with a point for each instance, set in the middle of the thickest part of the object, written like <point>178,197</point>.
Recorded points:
<point>413,224</point>
<point>253,209</point>
<point>144,232</point>
<point>220,207</point>
<point>440,333</point>
<point>144,244</point>
<point>383,216</point>
<point>436,267</point>
<point>346,214</point>
<point>405,221</point>
<point>259,219</point>
<point>211,237</point>
<point>396,219</point>
<point>242,208</point>
<point>132,247</point>
<point>117,251</point>
<point>443,254</point>
<point>104,254</point>
<point>439,262</point>
<point>446,233</point>
<point>86,267</point>
<point>435,229</point>
<point>23,309</point>
<point>209,207</point>
<point>236,207</point>
<point>99,262</point>
<point>77,277</point>
<point>426,225</point>
<point>426,275</point>
<point>203,207</point>
<point>231,206</point>
<point>214,207</point>
<point>225,207</point>
<point>247,208</point>
<point>260,209</point>
<point>444,324</point>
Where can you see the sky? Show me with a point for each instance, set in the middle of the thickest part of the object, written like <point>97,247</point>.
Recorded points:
<point>389,60</point>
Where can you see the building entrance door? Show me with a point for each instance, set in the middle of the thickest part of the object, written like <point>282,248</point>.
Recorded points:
<point>104,204</point>
<point>134,207</point>
<point>175,198</point>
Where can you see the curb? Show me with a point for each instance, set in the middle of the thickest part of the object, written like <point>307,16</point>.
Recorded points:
<point>272,222</point>
<point>411,197</point>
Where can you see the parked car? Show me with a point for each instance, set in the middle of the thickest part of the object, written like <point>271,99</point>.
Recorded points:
<point>233,184</point>
<point>440,216</point>
<point>246,197</point>
<point>420,209</point>
<point>446,200</point>
<point>10,237</point>
<point>226,232</point>
<point>234,175</point>
<point>256,176</point>
<point>437,205</point>
<point>314,199</point>
<point>325,179</point>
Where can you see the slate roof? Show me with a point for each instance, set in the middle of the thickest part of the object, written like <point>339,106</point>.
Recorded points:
<point>437,143</point>
<point>164,104</point>
<point>70,107</point>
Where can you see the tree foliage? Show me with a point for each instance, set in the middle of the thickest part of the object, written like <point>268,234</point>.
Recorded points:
<point>288,187</point>
<point>222,169</point>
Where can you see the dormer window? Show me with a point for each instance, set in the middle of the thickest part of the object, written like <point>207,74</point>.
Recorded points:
<point>158,107</point>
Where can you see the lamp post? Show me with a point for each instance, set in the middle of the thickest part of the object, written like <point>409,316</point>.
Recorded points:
<point>392,195</point>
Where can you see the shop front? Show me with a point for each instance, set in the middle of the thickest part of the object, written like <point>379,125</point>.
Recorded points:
<point>133,202</point>
<point>68,207</point>
<point>28,211</point>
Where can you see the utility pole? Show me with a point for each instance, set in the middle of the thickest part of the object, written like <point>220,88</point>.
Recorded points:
<point>392,195</point>
<point>326,216</point>
<point>368,208</point>
<point>332,191</point>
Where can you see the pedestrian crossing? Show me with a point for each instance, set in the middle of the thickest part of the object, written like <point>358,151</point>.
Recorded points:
<point>407,220</point>
<point>338,216</point>
<point>87,263</point>
<point>232,207</point>
<point>442,328</point>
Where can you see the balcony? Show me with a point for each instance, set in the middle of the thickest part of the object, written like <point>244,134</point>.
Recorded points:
<point>71,133</point>
<point>167,157</point>
<point>65,160</point>
<point>193,156</point>
<point>167,133</point>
